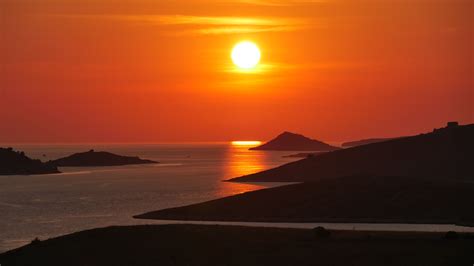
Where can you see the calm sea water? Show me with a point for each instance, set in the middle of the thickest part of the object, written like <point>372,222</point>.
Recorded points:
<point>45,206</point>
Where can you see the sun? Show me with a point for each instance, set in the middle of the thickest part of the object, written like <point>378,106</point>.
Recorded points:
<point>246,55</point>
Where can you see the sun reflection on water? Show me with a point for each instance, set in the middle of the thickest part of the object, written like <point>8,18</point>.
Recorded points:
<point>241,161</point>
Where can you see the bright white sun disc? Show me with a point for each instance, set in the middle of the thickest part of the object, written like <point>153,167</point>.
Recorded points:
<point>246,55</point>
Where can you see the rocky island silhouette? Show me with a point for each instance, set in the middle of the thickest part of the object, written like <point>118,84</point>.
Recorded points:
<point>17,163</point>
<point>288,141</point>
<point>99,158</point>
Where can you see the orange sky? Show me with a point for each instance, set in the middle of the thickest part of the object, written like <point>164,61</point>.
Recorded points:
<point>158,71</point>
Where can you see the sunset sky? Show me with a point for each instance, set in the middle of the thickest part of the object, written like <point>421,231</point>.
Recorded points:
<point>160,70</point>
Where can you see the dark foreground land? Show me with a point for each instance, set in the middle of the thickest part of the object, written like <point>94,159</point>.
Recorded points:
<point>372,199</point>
<point>231,245</point>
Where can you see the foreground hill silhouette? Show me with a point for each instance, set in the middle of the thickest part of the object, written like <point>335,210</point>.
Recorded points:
<point>17,163</point>
<point>231,245</point>
<point>101,158</point>
<point>288,141</point>
<point>363,142</point>
<point>444,153</point>
<point>358,199</point>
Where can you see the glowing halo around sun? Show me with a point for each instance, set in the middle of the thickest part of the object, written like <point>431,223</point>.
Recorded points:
<point>246,55</point>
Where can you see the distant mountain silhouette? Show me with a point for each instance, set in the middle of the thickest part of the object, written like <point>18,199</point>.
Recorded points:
<point>288,141</point>
<point>363,142</point>
<point>17,163</point>
<point>101,158</point>
<point>444,153</point>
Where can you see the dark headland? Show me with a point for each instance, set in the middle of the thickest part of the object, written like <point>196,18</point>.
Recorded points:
<point>288,141</point>
<point>355,199</point>
<point>446,153</point>
<point>192,245</point>
<point>17,163</point>
<point>99,158</point>
<point>363,142</point>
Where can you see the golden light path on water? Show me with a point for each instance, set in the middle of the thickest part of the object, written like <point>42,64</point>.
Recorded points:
<point>241,161</point>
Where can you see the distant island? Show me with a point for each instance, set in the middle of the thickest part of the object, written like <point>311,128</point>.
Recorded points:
<point>288,141</point>
<point>99,158</point>
<point>363,142</point>
<point>17,163</point>
<point>444,153</point>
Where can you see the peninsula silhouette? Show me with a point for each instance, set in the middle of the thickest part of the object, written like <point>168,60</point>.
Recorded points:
<point>355,199</point>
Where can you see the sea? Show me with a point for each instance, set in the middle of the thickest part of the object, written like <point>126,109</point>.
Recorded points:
<point>46,206</point>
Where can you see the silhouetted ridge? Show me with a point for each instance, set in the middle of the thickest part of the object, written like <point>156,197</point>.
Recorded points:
<point>101,158</point>
<point>17,163</point>
<point>363,142</point>
<point>444,153</point>
<point>288,141</point>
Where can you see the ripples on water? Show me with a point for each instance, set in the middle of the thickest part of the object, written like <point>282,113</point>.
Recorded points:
<point>82,198</point>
